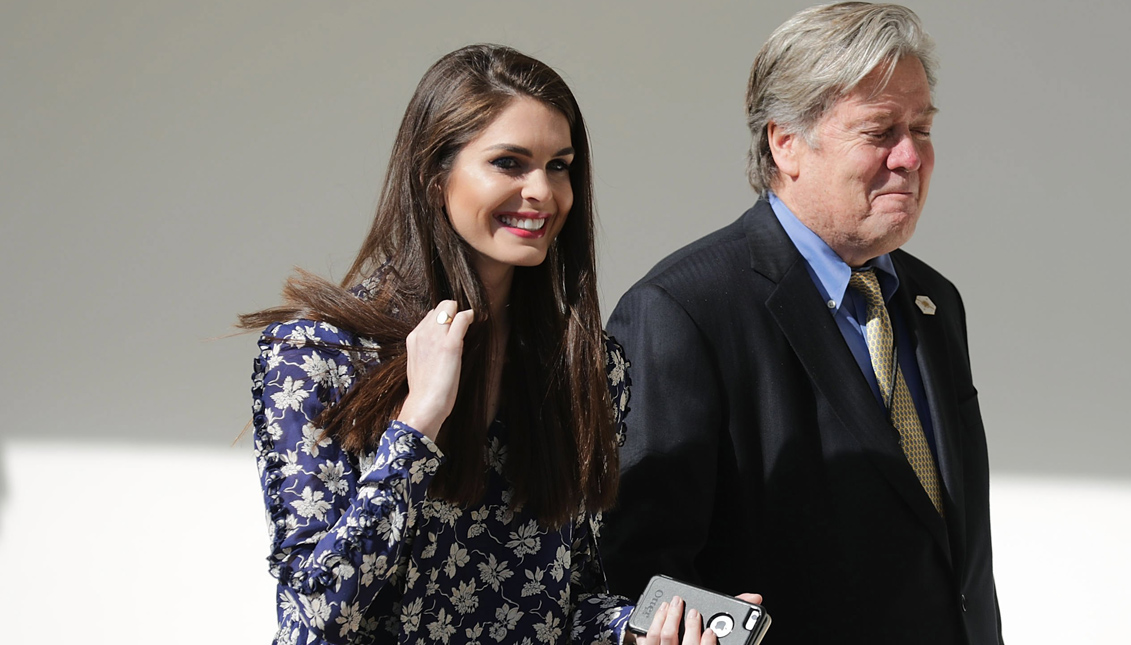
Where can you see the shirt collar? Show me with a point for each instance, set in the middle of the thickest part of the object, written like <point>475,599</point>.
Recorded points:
<point>829,272</point>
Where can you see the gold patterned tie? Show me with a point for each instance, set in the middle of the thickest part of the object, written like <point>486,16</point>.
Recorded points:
<point>894,388</point>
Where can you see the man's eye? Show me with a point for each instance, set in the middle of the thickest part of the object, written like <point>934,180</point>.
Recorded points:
<point>878,135</point>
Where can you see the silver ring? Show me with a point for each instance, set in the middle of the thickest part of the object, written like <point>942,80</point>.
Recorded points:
<point>443,318</point>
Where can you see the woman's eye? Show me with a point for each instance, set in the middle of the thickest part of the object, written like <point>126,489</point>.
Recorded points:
<point>505,163</point>
<point>558,165</point>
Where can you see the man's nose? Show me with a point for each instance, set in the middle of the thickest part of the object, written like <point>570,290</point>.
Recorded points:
<point>905,155</point>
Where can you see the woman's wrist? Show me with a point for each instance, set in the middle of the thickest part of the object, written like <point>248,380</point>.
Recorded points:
<point>413,416</point>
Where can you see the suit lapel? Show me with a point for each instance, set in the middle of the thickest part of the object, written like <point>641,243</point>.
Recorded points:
<point>815,338</point>
<point>933,355</point>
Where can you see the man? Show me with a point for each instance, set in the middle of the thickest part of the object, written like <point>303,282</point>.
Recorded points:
<point>804,453</point>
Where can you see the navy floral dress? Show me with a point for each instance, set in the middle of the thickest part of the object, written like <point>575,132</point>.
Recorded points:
<point>362,554</point>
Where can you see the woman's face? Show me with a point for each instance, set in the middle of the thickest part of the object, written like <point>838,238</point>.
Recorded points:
<point>509,192</point>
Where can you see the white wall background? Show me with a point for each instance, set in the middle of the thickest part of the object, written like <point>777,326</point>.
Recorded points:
<point>164,164</point>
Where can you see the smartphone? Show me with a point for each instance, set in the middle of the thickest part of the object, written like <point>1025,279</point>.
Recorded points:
<point>734,621</point>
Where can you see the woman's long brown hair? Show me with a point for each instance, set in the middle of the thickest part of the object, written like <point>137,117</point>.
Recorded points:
<point>562,453</point>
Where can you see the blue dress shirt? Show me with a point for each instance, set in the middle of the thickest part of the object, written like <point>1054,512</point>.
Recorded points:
<point>831,274</point>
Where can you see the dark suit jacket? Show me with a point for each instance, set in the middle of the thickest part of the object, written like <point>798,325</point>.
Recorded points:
<point>758,459</point>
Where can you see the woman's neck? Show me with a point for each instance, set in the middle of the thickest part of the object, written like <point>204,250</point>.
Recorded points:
<point>497,284</point>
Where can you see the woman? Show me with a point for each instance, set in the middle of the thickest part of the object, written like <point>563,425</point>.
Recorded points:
<point>434,461</point>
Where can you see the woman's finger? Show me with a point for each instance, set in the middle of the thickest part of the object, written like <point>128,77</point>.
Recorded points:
<point>444,312</point>
<point>693,628</point>
<point>755,598</point>
<point>709,637</point>
<point>669,633</point>
<point>459,324</point>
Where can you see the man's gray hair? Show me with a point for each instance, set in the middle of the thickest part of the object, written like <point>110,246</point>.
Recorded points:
<point>814,59</point>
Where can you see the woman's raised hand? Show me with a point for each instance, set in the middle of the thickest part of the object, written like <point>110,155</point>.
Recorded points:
<point>435,353</point>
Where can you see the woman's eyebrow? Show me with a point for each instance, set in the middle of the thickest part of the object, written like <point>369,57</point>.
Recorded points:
<point>519,150</point>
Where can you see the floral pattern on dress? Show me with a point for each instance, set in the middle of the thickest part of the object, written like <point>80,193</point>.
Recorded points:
<point>362,554</point>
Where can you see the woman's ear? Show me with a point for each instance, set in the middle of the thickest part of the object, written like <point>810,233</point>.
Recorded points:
<point>785,148</point>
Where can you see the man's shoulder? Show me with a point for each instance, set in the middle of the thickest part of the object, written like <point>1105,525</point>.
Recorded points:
<point>911,268</point>
<point>713,256</point>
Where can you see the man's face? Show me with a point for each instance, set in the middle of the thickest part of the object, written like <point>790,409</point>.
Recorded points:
<point>862,185</point>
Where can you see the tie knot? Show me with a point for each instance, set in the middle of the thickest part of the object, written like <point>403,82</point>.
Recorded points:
<point>866,283</point>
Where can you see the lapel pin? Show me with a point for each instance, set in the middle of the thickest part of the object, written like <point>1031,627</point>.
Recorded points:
<point>926,305</point>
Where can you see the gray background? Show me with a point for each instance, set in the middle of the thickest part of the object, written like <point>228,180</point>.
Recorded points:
<point>164,165</point>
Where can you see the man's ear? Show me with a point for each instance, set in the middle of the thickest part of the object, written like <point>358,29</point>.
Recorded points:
<point>784,148</point>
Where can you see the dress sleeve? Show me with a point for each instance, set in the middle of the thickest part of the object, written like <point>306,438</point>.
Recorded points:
<point>616,370</point>
<point>598,616</point>
<point>338,525</point>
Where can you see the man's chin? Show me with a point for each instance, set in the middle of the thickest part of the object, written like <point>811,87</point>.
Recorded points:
<point>893,217</point>
<point>891,231</point>
<point>898,234</point>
